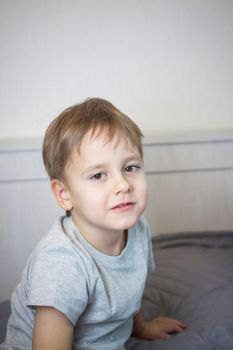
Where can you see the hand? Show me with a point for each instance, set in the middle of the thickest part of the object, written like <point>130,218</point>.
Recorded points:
<point>161,328</point>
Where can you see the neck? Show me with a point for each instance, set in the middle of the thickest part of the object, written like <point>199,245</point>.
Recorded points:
<point>109,243</point>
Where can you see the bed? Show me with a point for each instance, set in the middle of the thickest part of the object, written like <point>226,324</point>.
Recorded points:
<point>193,282</point>
<point>4,315</point>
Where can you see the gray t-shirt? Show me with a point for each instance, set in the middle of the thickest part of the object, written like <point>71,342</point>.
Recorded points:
<point>98,293</point>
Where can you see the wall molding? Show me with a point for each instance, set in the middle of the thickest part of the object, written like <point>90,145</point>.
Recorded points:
<point>21,159</point>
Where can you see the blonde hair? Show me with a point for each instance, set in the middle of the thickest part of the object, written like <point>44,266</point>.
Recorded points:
<point>67,131</point>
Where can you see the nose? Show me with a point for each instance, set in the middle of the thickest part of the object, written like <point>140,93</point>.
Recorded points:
<point>122,185</point>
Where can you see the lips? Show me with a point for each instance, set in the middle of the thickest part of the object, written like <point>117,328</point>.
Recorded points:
<point>123,207</point>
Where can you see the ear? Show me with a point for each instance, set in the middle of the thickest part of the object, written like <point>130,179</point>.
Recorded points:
<point>61,194</point>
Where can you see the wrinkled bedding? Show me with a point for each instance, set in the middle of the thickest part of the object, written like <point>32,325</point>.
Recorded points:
<point>193,282</point>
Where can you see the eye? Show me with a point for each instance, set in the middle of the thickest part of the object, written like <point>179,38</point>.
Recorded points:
<point>132,168</point>
<point>97,176</point>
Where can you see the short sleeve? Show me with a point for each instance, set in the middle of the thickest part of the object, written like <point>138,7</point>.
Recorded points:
<point>56,279</point>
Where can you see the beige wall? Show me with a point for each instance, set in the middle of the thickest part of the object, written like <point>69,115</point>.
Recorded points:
<point>167,63</point>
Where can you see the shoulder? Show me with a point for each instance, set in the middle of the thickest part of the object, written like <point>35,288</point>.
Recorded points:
<point>56,243</point>
<point>144,235</point>
<point>139,235</point>
<point>54,271</point>
<point>55,237</point>
<point>142,228</point>
<point>56,257</point>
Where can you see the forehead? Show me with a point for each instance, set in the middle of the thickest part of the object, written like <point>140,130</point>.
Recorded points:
<point>102,140</point>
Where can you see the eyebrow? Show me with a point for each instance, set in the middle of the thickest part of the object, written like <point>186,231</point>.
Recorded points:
<point>99,166</point>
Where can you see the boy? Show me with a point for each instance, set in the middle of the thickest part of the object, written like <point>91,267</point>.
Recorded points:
<point>83,284</point>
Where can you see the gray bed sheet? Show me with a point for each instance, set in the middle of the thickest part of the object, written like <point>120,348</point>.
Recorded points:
<point>193,282</point>
<point>4,315</point>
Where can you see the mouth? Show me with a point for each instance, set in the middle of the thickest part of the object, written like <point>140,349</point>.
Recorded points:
<point>123,207</point>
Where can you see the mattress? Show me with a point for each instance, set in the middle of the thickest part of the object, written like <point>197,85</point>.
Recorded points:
<point>193,282</point>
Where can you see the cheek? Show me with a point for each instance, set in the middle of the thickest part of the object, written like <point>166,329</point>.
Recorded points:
<point>144,186</point>
<point>143,191</point>
<point>95,199</point>
<point>144,196</point>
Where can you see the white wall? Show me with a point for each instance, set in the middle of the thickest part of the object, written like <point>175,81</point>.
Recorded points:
<point>166,63</point>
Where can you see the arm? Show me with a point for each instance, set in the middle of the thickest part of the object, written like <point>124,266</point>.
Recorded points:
<point>160,327</point>
<point>52,330</point>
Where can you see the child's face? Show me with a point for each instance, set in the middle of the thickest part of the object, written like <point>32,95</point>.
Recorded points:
<point>107,189</point>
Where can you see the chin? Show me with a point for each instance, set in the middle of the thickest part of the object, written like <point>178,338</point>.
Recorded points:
<point>129,222</point>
